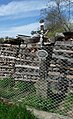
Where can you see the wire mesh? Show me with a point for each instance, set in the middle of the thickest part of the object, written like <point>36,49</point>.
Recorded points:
<point>43,84</point>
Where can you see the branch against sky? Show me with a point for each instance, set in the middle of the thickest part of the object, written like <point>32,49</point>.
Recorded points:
<point>17,15</point>
<point>59,14</point>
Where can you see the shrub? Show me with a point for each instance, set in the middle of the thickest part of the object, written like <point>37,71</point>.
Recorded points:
<point>14,112</point>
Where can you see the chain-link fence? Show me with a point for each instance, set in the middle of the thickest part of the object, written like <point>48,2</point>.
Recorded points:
<point>38,77</point>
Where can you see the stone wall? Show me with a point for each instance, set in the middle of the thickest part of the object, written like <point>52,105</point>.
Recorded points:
<point>22,63</point>
<point>61,64</point>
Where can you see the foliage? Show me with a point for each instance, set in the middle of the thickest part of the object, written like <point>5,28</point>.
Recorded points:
<point>25,93</point>
<point>10,89</point>
<point>25,86</point>
<point>50,105</point>
<point>14,112</point>
<point>7,82</point>
<point>52,33</point>
<point>58,16</point>
<point>1,40</point>
<point>7,93</point>
<point>40,103</point>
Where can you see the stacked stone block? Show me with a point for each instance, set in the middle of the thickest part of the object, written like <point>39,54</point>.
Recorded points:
<point>61,65</point>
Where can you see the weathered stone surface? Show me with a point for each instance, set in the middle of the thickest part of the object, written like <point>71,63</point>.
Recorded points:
<point>46,115</point>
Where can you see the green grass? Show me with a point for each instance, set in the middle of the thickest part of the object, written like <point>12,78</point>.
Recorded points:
<point>25,86</point>
<point>14,112</point>
<point>49,104</point>
<point>15,90</point>
<point>40,103</point>
<point>26,94</point>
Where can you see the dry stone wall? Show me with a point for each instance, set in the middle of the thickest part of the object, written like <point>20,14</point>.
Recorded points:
<point>61,65</point>
<point>18,62</point>
<point>23,64</point>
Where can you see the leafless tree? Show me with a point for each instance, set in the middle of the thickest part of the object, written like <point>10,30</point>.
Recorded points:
<point>58,15</point>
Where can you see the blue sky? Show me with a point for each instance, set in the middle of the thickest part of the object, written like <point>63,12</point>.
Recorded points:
<point>20,16</point>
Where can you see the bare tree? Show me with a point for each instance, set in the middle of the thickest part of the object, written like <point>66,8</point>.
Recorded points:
<point>58,15</point>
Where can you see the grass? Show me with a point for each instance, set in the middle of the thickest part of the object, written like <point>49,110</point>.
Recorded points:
<point>15,90</point>
<point>49,104</point>
<point>25,93</point>
<point>14,112</point>
<point>66,105</point>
